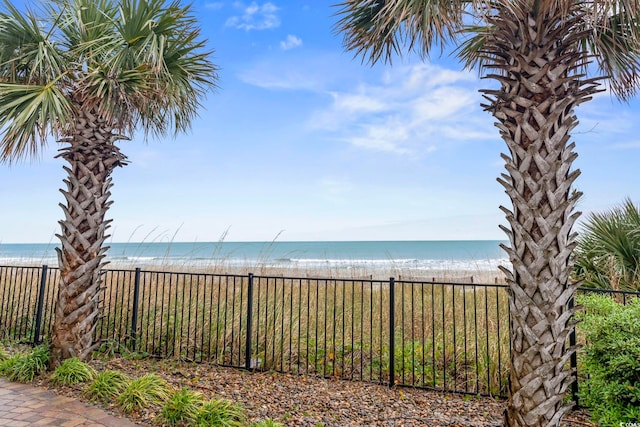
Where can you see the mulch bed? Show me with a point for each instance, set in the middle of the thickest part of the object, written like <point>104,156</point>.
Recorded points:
<point>310,401</point>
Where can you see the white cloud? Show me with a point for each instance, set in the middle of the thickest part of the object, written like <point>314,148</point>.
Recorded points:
<point>386,137</point>
<point>291,79</point>
<point>286,72</point>
<point>407,110</point>
<point>412,110</point>
<point>355,103</point>
<point>627,145</point>
<point>216,5</point>
<point>255,17</point>
<point>290,42</point>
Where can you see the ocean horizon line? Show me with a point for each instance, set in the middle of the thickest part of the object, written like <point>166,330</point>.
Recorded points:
<point>108,242</point>
<point>375,255</point>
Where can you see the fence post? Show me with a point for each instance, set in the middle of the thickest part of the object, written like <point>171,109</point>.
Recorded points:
<point>134,315</point>
<point>38,326</point>
<point>574,360</point>
<point>392,338</point>
<point>247,354</point>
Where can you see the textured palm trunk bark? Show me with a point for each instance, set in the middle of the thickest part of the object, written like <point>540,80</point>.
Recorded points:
<point>538,61</point>
<point>92,156</point>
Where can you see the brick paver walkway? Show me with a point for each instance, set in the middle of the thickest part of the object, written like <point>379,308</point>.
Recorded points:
<point>24,405</point>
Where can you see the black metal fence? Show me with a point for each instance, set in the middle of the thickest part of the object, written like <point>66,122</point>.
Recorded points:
<point>444,336</point>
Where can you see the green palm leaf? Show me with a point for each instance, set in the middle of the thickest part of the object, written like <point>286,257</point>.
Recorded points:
<point>27,114</point>
<point>382,28</point>
<point>27,54</point>
<point>608,253</point>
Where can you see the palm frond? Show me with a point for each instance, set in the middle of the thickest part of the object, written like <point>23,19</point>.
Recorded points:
<point>153,70</point>
<point>116,92</point>
<point>615,42</point>
<point>180,70</point>
<point>28,54</point>
<point>86,25</point>
<point>188,75</point>
<point>608,252</point>
<point>383,28</point>
<point>27,114</point>
<point>471,50</point>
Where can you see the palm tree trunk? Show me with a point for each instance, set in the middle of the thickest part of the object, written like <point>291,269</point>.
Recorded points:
<point>92,156</point>
<point>537,58</point>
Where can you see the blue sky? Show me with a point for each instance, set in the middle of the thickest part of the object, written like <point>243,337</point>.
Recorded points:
<point>304,142</point>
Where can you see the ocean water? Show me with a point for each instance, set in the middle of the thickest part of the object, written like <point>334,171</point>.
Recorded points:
<point>469,255</point>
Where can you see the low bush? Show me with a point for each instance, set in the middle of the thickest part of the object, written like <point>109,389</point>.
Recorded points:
<point>6,365</point>
<point>221,413</point>
<point>72,371</point>
<point>181,408</point>
<point>107,386</point>
<point>611,359</point>
<point>25,367</point>
<point>142,392</point>
<point>266,423</point>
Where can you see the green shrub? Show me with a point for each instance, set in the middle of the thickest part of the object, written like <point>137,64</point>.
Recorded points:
<point>221,413</point>
<point>608,252</point>
<point>3,354</point>
<point>6,366</point>
<point>72,371</point>
<point>181,408</point>
<point>145,391</point>
<point>611,359</point>
<point>266,423</point>
<point>27,366</point>
<point>107,386</point>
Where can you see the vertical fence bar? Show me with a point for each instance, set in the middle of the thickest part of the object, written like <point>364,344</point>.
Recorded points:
<point>455,342</point>
<point>41,293</point>
<point>392,350</point>
<point>134,314</point>
<point>573,360</point>
<point>499,341</point>
<point>247,354</point>
<point>464,329</point>
<point>282,338</point>
<point>26,304</point>
<point>4,312</point>
<point>443,291</point>
<point>52,291</point>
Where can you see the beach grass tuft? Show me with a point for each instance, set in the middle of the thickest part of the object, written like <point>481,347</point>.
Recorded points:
<point>107,386</point>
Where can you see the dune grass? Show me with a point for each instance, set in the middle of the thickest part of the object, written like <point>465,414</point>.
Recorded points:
<point>448,336</point>
<point>445,336</point>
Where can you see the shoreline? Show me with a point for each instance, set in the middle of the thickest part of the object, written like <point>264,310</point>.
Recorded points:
<point>342,271</point>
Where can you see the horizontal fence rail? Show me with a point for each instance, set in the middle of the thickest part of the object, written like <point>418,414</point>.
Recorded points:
<point>443,336</point>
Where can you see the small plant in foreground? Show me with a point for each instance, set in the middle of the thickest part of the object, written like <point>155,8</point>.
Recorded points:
<point>221,413</point>
<point>72,371</point>
<point>182,407</point>
<point>27,366</point>
<point>266,423</point>
<point>107,386</point>
<point>611,360</point>
<point>145,391</point>
<point>6,366</point>
<point>3,354</point>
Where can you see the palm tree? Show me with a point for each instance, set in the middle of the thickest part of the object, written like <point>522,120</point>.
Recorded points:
<point>88,73</point>
<point>539,52</point>
<point>608,252</point>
